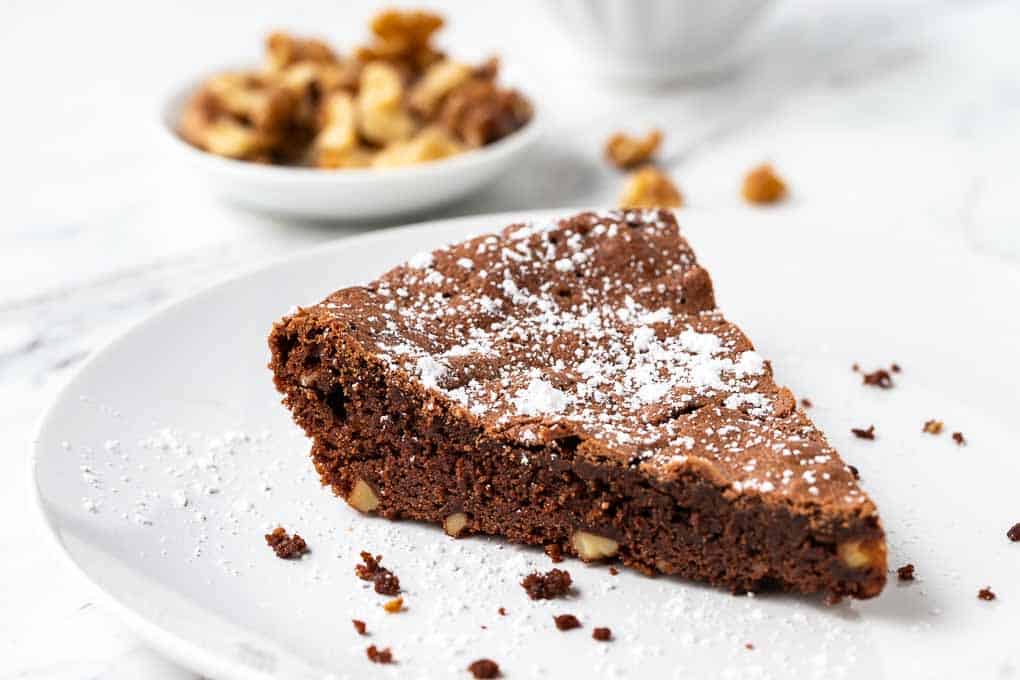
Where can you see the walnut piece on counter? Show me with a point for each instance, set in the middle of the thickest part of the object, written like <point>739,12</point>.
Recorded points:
<point>762,185</point>
<point>627,152</point>
<point>650,187</point>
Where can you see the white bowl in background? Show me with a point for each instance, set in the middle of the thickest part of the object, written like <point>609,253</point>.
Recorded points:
<point>655,41</point>
<point>347,194</point>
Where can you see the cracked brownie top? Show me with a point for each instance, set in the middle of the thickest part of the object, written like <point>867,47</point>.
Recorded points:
<point>602,329</point>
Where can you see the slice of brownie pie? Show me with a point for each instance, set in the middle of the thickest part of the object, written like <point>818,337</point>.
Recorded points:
<point>572,384</point>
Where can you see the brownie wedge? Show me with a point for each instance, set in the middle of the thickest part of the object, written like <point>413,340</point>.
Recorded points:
<point>572,384</point>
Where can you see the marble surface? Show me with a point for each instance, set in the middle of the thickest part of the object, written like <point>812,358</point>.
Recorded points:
<point>886,118</point>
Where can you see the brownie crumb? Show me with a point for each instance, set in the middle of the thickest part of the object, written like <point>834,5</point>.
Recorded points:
<point>958,438</point>
<point>879,378</point>
<point>555,552</point>
<point>613,571</point>
<point>395,605</point>
<point>860,433</point>
<point>286,547</point>
<point>986,594</point>
<point>554,583</point>
<point>895,368</point>
<point>854,471</point>
<point>602,634</point>
<point>806,403</point>
<point>855,367</point>
<point>906,572</point>
<point>932,427</point>
<point>360,627</point>
<point>376,655</point>
<point>566,622</point>
<point>502,611</point>
<point>749,646</point>
<point>1014,533</point>
<point>484,668</point>
<point>386,582</point>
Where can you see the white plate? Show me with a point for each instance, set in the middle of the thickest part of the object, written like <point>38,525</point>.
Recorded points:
<point>813,302</point>
<point>346,194</point>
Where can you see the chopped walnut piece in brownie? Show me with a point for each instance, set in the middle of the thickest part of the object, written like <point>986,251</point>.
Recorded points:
<point>484,668</point>
<point>554,551</point>
<point>650,188</point>
<point>602,634</point>
<point>906,572</point>
<point>626,151</point>
<point>932,427</point>
<point>552,584</point>
<point>1014,533</point>
<point>986,594</point>
<point>566,622</point>
<point>360,626</point>
<point>395,605</point>
<point>879,378</point>
<point>763,185</point>
<point>386,582</point>
<point>958,438</point>
<point>862,433</point>
<point>377,655</point>
<point>286,547</point>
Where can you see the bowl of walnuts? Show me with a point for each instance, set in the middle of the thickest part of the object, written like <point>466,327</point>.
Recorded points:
<point>391,127</point>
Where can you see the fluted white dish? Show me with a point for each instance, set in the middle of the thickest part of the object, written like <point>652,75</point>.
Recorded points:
<point>346,194</point>
<point>652,41</point>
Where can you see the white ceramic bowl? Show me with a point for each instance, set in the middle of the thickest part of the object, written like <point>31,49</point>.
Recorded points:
<point>313,193</point>
<point>654,41</point>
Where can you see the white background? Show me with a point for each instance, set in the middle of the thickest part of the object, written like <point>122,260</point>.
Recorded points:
<point>898,116</point>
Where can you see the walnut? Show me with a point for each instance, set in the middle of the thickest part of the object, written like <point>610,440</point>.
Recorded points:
<point>650,188</point>
<point>283,49</point>
<point>592,547</point>
<point>439,80</point>
<point>626,152</point>
<point>862,554</point>
<point>763,185</point>
<point>479,112</point>
<point>455,524</point>
<point>403,30</point>
<point>395,605</point>
<point>362,497</point>
<point>428,145</point>
<point>381,117</point>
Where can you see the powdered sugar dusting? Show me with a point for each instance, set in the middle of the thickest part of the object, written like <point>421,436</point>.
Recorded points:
<point>602,325</point>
